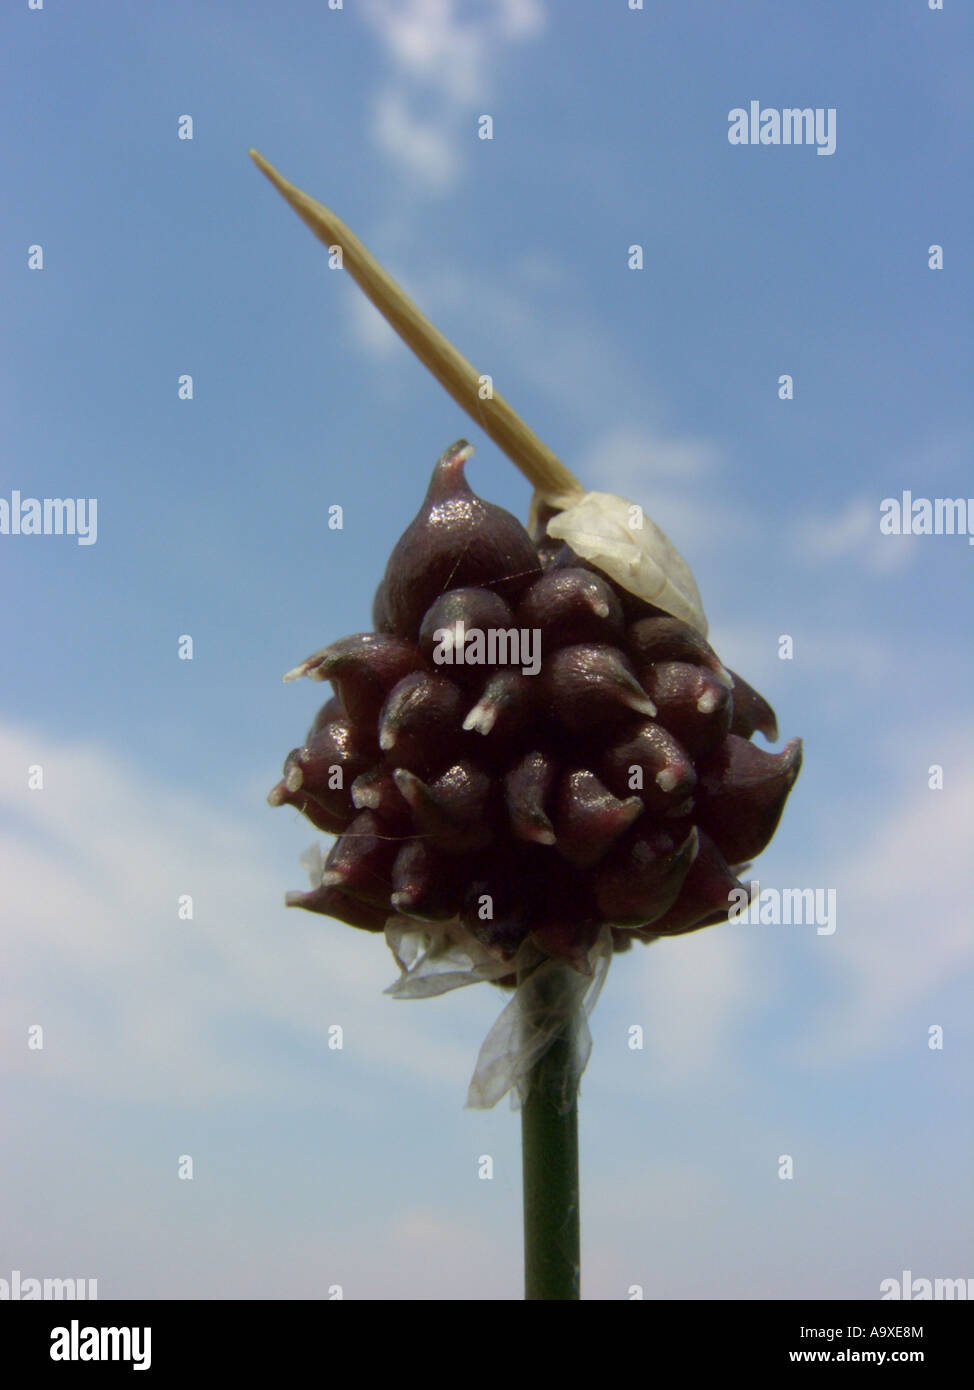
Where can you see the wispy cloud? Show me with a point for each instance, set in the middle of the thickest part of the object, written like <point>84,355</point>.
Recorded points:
<point>681,481</point>
<point>904,888</point>
<point>93,867</point>
<point>689,994</point>
<point>853,533</point>
<point>903,941</point>
<point>851,659</point>
<point>412,144</point>
<point>442,63</point>
<point>630,455</point>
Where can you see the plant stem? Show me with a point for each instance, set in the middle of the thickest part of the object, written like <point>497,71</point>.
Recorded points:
<point>549,1139</point>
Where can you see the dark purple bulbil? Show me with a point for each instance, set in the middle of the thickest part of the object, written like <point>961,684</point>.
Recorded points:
<point>616,785</point>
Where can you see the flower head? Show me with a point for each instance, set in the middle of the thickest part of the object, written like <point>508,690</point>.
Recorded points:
<point>528,751</point>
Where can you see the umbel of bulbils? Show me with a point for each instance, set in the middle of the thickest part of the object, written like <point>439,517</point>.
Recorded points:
<point>524,747</point>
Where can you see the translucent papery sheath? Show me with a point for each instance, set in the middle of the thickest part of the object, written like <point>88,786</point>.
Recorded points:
<point>613,788</point>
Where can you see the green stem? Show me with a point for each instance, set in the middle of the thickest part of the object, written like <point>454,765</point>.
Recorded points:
<point>550,1154</point>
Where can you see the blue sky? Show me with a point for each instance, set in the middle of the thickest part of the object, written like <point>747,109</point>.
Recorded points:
<point>162,256</point>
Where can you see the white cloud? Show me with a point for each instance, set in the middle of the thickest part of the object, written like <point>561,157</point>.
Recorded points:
<point>92,867</point>
<point>677,480</point>
<point>692,992</point>
<point>538,270</point>
<point>631,455</point>
<point>853,533</point>
<point>904,890</point>
<point>370,330</point>
<point>855,657</point>
<point>427,40</point>
<point>445,59</point>
<point>861,657</point>
<point>412,144</point>
<point>520,19</point>
<point>432,41</point>
<point>904,881</point>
